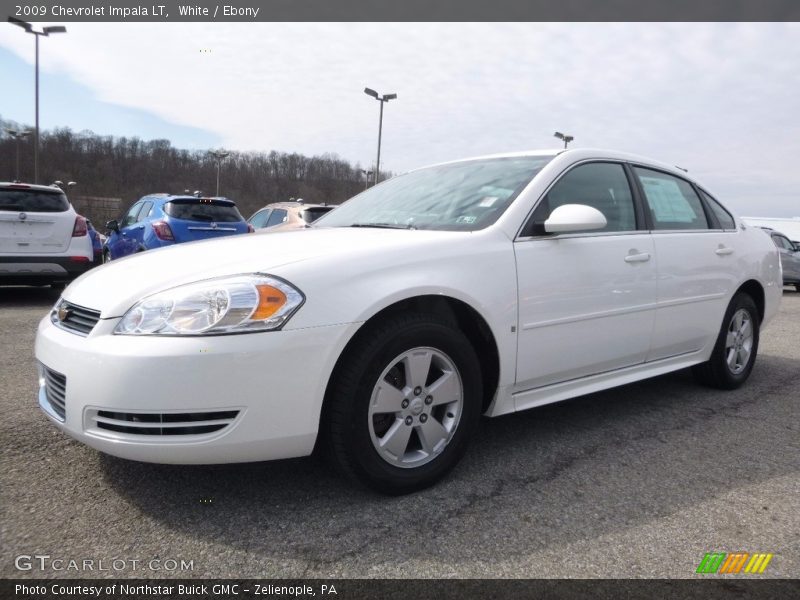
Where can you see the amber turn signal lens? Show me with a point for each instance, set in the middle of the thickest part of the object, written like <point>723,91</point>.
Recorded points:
<point>270,300</point>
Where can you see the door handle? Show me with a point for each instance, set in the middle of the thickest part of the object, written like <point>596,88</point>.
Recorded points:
<point>723,251</point>
<point>637,257</point>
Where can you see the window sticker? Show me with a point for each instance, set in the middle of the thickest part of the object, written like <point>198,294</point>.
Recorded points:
<point>488,201</point>
<point>466,219</point>
<point>667,201</point>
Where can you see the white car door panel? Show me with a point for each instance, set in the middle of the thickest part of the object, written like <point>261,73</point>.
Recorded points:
<point>696,275</point>
<point>586,305</point>
<point>586,299</point>
<point>697,265</point>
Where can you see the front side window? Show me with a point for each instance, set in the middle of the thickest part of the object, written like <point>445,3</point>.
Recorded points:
<point>463,196</point>
<point>145,212</point>
<point>130,218</point>
<point>672,202</point>
<point>603,186</point>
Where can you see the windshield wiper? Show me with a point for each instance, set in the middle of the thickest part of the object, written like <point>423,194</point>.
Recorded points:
<point>383,225</point>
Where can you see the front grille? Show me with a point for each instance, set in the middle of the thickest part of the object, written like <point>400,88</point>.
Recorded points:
<point>55,390</point>
<point>74,318</point>
<point>163,424</point>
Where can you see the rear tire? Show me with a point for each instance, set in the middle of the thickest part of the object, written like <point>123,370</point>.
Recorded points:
<point>106,256</point>
<point>403,403</point>
<point>735,351</point>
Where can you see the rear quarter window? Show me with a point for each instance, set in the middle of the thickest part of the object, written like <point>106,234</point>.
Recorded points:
<point>203,211</point>
<point>32,201</point>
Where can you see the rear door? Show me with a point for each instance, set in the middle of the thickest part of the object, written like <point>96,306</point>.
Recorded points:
<point>34,221</point>
<point>697,263</point>
<point>203,218</point>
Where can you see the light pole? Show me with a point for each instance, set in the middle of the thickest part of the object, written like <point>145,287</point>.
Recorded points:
<point>562,136</point>
<point>219,155</point>
<point>19,136</point>
<point>382,99</point>
<point>37,34</point>
<point>366,177</point>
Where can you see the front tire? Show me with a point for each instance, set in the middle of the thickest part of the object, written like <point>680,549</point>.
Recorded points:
<point>735,351</point>
<point>404,403</point>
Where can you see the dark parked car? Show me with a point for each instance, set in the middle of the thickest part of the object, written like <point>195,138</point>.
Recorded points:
<point>163,219</point>
<point>790,258</point>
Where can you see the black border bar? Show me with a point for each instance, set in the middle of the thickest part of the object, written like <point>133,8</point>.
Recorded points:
<point>402,10</point>
<point>705,588</point>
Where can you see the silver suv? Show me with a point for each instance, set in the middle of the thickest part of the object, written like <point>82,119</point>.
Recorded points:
<point>42,239</point>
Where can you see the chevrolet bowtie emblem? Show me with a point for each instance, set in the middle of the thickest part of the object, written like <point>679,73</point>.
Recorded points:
<point>63,313</point>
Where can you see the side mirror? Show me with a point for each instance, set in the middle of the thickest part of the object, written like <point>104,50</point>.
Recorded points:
<point>574,217</point>
<point>112,225</point>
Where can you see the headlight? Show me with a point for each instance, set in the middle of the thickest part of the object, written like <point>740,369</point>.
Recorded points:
<point>236,304</point>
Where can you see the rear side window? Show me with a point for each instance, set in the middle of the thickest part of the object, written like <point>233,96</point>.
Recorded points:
<point>672,202</point>
<point>277,217</point>
<point>723,216</point>
<point>203,210</point>
<point>603,186</point>
<point>259,219</point>
<point>32,201</point>
<point>782,242</point>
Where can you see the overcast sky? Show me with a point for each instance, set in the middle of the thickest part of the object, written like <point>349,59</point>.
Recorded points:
<point>722,100</point>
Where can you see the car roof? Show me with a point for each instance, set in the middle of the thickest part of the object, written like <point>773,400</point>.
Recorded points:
<point>576,154</point>
<point>294,205</point>
<point>19,185</point>
<point>170,197</point>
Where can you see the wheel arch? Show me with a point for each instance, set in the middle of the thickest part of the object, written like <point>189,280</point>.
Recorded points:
<point>755,290</point>
<point>463,316</point>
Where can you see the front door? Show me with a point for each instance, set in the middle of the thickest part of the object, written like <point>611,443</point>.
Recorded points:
<point>586,299</point>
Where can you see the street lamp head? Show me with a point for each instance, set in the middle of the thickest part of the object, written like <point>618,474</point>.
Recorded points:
<point>20,23</point>
<point>54,29</point>
<point>559,135</point>
<point>387,97</point>
<point>370,92</point>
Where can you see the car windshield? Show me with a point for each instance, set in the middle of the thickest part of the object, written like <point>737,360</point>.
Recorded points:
<point>33,201</point>
<point>463,196</point>
<point>202,209</point>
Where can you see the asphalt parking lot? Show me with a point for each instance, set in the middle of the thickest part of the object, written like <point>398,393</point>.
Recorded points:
<point>640,481</point>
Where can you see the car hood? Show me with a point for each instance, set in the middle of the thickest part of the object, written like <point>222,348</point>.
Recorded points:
<point>113,288</point>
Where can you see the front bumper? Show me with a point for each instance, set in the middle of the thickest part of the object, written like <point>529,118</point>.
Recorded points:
<point>194,400</point>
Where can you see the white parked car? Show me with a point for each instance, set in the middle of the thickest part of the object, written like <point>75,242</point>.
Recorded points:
<point>380,335</point>
<point>42,239</point>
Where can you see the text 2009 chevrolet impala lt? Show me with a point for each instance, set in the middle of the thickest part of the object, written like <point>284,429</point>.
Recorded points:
<point>381,334</point>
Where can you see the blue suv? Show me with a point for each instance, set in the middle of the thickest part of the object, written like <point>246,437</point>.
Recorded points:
<point>164,219</point>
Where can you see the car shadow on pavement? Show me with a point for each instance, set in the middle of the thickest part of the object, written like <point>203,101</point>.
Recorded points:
<point>574,470</point>
<point>28,296</point>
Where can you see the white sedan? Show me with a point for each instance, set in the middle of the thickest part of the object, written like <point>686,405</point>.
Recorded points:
<point>380,335</point>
